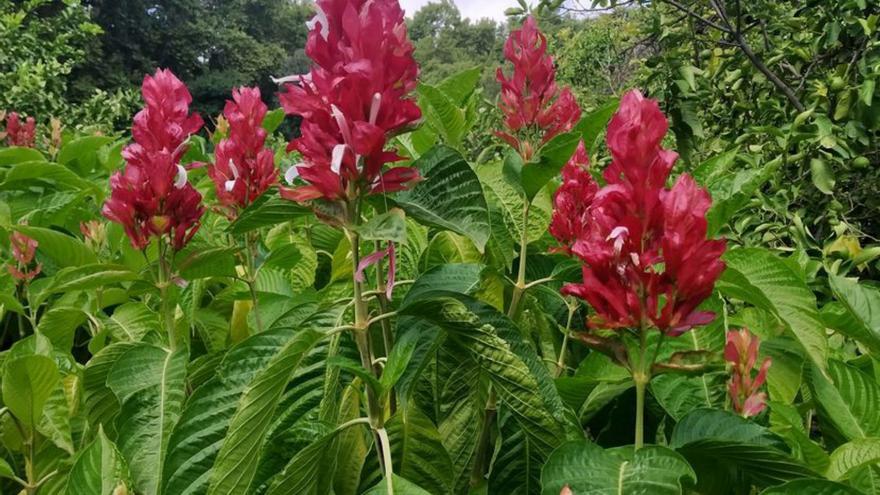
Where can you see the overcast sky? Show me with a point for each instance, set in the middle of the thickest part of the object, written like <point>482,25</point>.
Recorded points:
<point>474,9</point>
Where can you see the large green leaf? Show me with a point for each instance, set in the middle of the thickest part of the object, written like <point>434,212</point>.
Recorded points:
<point>401,487</point>
<point>848,399</point>
<point>588,469</point>
<point>309,472</point>
<point>99,469</point>
<point>24,175</point>
<point>199,261</point>
<point>239,456</point>
<point>728,451</point>
<point>13,155</point>
<point>811,487</point>
<point>449,197</point>
<point>764,280</point>
<point>265,211</point>
<point>63,249</point>
<point>28,381</point>
<point>81,154</point>
<point>442,114</point>
<point>149,382</point>
<point>862,302</point>
<point>853,455</point>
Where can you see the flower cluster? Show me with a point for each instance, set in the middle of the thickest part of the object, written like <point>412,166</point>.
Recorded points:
<point>644,247</point>
<point>152,196</point>
<point>356,95</point>
<point>741,352</point>
<point>18,133</point>
<point>243,167</point>
<point>23,251</point>
<point>572,200</point>
<point>535,109</point>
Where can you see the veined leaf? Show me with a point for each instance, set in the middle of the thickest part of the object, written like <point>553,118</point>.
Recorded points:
<point>28,381</point>
<point>390,226</point>
<point>265,211</point>
<point>764,280</point>
<point>853,455</point>
<point>862,302</point>
<point>811,487</point>
<point>99,469</point>
<point>237,460</point>
<point>587,468</point>
<point>63,249</point>
<point>848,399</point>
<point>149,382</point>
<point>450,196</point>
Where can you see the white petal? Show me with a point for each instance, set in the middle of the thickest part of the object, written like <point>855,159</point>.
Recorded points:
<point>180,180</point>
<point>291,174</point>
<point>320,17</point>
<point>230,185</point>
<point>233,168</point>
<point>342,123</point>
<point>374,108</point>
<point>338,155</point>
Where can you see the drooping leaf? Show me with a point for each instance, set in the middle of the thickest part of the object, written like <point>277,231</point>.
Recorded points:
<point>764,280</point>
<point>848,399</point>
<point>862,303</point>
<point>449,197</point>
<point>390,226</point>
<point>853,455</point>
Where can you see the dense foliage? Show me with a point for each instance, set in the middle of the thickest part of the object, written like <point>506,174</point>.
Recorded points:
<point>502,270</point>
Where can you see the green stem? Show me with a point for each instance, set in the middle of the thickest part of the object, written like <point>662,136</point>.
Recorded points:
<point>362,339</point>
<point>560,363</point>
<point>250,253</point>
<point>520,286</point>
<point>164,284</point>
<point>641,383</point>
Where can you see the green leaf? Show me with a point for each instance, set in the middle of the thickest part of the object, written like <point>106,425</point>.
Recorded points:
<point>390,226</point>
<point>862,302</point>
<point>59,324</point>
<point>417,452</point>
<point>867,91</point>
<point>14,155</point>
<point>149,383</point>
<point>22,176</point>
<point>450,196</point>
<point>587,468</point>
<point>442,114</point>
<point>131,321</point>
<point>848,399</point>
<point>823,178</point>
<point>28,382</point>
<point>82,154</point>
<point>89,277</point>
<point>237,460</point>
<point>401,487</point>
<point>727,450</point>
<point>6,470</point>
<point>811,487</point>
<point>98,469</point>
<point>206,262</point>
<point>265,211</point>
<point>764,280</point>
<point>308,470</point>
<point>273,120</point>
<point>853,455</point>
<point>460,86</point>
<point>63,249</point>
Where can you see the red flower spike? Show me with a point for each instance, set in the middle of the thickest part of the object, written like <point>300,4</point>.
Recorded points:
<point>243,168</point>
<point>152,197</point>
<point>533,105</point>
<point>18,134</point>
<point>23,251</point>
<point>644,246</point>
<point>572,199</point>
<point>741,352</point>
<point>356,95</point>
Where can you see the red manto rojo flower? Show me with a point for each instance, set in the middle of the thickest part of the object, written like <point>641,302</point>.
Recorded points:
<point>152,196</point>
<point>243,167</point>
<point>23,251</point>
<point>741,352</point>
<point>18,134</point>
<point>644,247</point>
<point>573,199</point>
<point>535,109</point>
<point>357,95</point>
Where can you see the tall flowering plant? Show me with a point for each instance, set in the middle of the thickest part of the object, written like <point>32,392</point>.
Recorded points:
<point>647,264</point>
<point>243,169</point>
<point>151,198</point>
<point>356,96</point>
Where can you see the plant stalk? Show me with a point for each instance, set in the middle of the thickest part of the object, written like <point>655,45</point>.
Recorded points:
<point>250,253</point>
<point>164,284</point>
